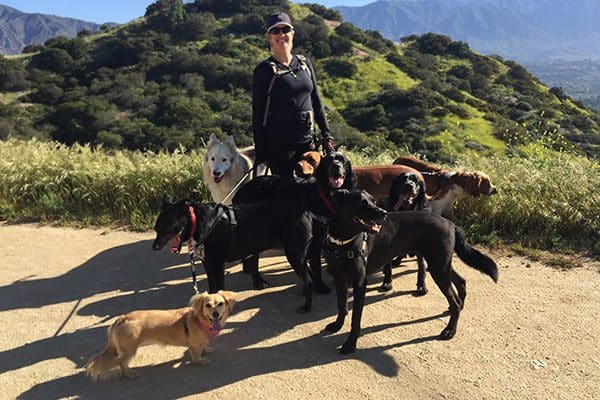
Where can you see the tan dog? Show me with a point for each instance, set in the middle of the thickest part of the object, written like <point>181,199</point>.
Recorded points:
<point>192,327</point>
<point>376,179</point>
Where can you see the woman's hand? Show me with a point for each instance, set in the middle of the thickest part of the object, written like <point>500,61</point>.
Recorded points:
<point>328,144</point>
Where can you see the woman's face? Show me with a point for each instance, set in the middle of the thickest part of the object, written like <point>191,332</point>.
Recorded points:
<point>281,40</point>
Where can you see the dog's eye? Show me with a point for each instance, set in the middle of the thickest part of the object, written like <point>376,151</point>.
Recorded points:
<point>208,305</point>
<point>219,304</point>
<point>212,159</point>
<point>224,160</point>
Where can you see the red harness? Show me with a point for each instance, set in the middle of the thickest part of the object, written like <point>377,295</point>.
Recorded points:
<point>175,245</point>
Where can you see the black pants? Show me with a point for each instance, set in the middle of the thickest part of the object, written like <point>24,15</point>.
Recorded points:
<point>283,158</point>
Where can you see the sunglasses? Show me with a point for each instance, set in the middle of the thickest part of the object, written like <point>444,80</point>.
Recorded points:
<point>277,31</point>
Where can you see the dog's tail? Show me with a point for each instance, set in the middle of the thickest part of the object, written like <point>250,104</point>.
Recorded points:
<point>105,365</point>
<point>473,257</point>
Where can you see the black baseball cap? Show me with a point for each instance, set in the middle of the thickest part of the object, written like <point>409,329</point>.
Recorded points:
<point>279,18</point>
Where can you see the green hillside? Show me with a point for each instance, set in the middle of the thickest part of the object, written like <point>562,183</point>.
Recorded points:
<point>183,72</point>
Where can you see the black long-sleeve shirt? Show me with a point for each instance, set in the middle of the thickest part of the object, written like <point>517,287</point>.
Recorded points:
<point>292,94</point>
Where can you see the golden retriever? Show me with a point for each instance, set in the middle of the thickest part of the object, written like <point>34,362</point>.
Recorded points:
<point>192,327</point>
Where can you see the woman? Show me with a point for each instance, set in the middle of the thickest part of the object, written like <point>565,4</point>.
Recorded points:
<point>285,102</point>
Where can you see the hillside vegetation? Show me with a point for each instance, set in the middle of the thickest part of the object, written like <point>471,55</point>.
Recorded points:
<point>185,71</point>
<point>128,112</point>
<point>546,199</point>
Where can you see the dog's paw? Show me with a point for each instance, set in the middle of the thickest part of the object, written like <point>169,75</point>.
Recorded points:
<point>334,326</point>
<point>201,361</point>
<point>208,350</point>
<point>385,287</point>
<point>130,373</point>
<point>421,291</point>
<point>260,284</point>
<point>348,347</point>
<point>303,309</point>
<point>447,334</point>
<point>321,288</point>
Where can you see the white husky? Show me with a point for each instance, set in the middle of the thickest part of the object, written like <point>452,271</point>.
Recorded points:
<point>224,167</point>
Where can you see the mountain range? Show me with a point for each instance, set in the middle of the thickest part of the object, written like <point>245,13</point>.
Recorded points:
<point>523,30</point>
<point>184,72</point>
<point>19,29</point>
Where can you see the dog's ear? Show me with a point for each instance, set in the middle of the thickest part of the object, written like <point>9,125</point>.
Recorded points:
<point>197,302</point>
<point>211,142</point>
<point>229,298</point>
<point>351,180</point>
<point>166,202</point>
<point>230,141</point>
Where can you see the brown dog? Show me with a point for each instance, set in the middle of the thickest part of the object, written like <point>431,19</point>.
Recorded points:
<point>192,327</point>
<point>377,180</point>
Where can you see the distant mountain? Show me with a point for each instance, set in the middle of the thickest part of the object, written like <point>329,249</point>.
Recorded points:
<point>19,29</point>
<point>180,74</point>
<point>517,29</point>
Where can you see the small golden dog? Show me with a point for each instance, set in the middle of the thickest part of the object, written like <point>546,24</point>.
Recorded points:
<point>192,327</point>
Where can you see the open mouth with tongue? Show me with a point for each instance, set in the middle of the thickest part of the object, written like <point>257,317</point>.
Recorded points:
<point>218,179</point>
<point>404,202</point>
<point>336,182</point>
<point>368,225</point>
<point>216,325</point>
<point>176,243</point>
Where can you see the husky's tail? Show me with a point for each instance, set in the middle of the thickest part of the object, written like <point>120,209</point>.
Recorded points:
<point>473,257</point>
<point>105,365</point>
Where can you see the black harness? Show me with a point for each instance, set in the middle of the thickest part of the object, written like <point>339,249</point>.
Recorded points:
<point>197,251</point>
<point>345,250</point>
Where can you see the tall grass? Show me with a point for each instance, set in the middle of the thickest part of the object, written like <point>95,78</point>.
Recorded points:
<point>80,185</point>
<point>546,199</point>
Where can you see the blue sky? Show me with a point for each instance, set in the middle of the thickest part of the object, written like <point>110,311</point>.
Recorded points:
<point>119,11</point>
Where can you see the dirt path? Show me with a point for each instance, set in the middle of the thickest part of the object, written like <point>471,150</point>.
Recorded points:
<point>534,335</point>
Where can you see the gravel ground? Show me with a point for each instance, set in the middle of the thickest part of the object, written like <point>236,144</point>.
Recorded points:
<point>534,335</point>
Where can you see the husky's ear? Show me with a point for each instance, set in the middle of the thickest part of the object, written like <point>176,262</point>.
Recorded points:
<point>166,201</point>
<point>230,141</point>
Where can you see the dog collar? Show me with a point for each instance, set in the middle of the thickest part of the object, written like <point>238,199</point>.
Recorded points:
<point>176,245</point>
<point>339,242</point>
<point>194,221</point>
<point>208,330</point>
<point>325,200</point>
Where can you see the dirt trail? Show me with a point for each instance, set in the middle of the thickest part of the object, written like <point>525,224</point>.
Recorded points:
<point>534,335</point>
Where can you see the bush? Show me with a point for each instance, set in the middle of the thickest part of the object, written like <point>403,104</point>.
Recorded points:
<point>340,68</point>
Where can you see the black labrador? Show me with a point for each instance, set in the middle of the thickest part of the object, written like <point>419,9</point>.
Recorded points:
<point>407,193</point>
<point>229,234</point>
<point>362,239</point>
<point>333,173</point>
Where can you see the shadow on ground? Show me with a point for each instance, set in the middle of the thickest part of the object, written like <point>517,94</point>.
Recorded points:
<point>142,276</point>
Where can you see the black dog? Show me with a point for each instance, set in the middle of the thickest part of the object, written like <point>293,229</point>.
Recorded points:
<point>333,173</point>
<point>234,233</point>
<point>354,250</point>
<point>407,193</point>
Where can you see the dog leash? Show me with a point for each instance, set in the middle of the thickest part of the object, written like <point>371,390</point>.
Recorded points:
<point>193,249</point>
<point>237,185</point>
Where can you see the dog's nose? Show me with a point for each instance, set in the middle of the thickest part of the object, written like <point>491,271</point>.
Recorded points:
<point>215,314</point>
<point>155,245</point>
